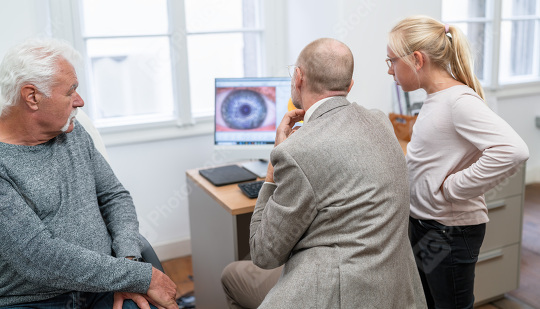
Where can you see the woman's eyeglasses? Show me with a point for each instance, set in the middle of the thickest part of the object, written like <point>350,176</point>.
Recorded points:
<point>390,61</point>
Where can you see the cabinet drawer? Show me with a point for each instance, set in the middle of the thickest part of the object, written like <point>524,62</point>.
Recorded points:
<point>497,272</point>
<point>504,226</point>
<point>510,186</point>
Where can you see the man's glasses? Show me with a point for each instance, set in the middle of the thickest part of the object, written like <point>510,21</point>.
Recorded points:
<point>292,69</point>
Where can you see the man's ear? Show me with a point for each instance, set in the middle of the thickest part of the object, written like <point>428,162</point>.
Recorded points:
<point>31,96</point>
<point>298,78</point>
<point>419,60</point>
<point>350,86</point>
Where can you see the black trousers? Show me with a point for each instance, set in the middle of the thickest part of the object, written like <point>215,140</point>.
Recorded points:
<point>446,257</point>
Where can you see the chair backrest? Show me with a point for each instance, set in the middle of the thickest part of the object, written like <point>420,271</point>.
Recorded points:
<point>149,255</point>
<point>86,122</point>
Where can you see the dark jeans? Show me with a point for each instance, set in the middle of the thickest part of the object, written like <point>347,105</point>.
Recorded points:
<point>446,257</point>
<point>77,300</point>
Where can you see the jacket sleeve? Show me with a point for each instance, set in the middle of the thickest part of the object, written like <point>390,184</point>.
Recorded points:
<point>282,214</point>
<point>503,150</point>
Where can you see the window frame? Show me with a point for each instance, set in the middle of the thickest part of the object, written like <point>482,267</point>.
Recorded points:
<point>493,86</point>
<point>258,29</point>
<point>66,24</point>
<point>536,48</point>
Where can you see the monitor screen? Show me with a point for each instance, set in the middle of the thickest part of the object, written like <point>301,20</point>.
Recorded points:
<point>248,110</point>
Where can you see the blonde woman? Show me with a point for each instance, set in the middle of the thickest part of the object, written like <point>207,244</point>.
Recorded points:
<point>459,150</point>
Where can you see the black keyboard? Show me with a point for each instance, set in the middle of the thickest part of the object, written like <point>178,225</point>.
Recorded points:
<point>251,189</point>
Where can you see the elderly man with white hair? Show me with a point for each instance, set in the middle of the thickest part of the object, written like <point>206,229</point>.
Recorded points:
<point>68,228</point>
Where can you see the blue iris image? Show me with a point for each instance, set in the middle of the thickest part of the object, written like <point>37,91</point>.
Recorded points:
<point>244,109</point>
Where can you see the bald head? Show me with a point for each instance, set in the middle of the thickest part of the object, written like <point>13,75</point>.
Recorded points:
<point>327,64</point>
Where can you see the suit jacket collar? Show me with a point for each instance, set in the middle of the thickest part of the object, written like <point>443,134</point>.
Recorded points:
<point>329,105</point>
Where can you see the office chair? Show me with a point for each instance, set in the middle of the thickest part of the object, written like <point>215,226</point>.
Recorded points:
<point>149,255</point>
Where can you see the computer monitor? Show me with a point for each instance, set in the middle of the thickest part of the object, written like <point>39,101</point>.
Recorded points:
<point>247,113</point>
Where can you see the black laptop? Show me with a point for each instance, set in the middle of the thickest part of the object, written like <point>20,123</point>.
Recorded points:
<point>225,175</point>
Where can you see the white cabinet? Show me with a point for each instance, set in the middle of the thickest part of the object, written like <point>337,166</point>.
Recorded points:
<point>497,270</point>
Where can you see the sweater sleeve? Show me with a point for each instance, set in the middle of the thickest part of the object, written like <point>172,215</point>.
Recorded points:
<point>502,150</point>
<point>31,250</point>
<point>117,208</point>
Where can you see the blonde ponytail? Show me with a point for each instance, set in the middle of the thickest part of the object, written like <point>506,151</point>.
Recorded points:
<point>450,51</point>
<point>462,63</point>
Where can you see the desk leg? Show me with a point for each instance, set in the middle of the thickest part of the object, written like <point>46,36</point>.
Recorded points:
<point>217,239</point>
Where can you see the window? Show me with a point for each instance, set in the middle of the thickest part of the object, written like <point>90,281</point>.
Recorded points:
<point>224,40</point>
<point>520,36</point>
<point>154,61</point>
<point>504,36</point>
<point>475,19</point>
<point>128,60</point>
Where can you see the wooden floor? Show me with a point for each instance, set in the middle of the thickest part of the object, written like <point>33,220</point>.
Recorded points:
<point>180,271</point>
<point>529,288</point>
<point>526,297</point>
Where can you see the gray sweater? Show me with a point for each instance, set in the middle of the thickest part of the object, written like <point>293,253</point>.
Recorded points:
<point>64,216</point>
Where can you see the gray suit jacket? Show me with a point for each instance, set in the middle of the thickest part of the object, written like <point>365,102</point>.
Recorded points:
<point>338,215</point>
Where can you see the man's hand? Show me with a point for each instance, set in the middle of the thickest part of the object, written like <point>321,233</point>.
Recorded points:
<point>285,128</point>
<point>162,291</point>
<point>139,299</point>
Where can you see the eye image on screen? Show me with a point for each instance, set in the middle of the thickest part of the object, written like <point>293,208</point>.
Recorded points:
<point>249,108</point>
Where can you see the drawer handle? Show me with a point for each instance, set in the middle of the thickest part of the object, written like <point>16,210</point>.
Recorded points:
<point>496,204</point>
<point>490,255</point>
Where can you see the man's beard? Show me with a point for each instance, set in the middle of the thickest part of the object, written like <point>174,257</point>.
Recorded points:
<point>294,100</point>
<point>296,104</point>
<point>70,119</point>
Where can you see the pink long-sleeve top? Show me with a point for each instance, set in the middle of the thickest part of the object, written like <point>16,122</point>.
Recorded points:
<point>457,140</point>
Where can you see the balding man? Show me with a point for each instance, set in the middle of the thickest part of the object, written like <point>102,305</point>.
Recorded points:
<point>334,209</point>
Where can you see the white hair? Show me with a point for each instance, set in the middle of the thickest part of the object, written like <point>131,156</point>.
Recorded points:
<point>32,62</point>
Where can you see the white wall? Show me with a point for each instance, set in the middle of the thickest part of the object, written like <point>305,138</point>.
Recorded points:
<point>155,172</point>
<point>520,112</point>
<point>362,25</point>
<point>20,20</point>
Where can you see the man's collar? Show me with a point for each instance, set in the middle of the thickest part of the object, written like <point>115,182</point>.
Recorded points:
<point>313,107</point>
<point>324,106</point>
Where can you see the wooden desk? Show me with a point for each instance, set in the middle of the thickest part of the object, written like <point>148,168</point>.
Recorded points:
<point>229,197</point>
<point>219,224</point>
